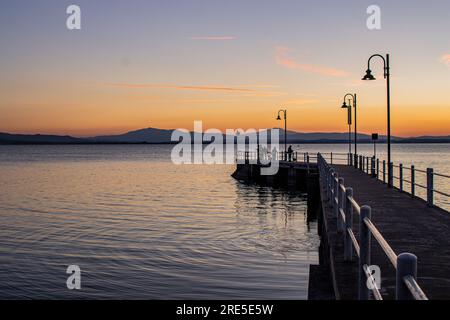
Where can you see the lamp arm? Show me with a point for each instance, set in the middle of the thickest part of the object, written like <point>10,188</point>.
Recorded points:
<point>384,63</point>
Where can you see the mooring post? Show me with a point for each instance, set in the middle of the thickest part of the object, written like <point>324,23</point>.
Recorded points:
<point>400,176</point>
<point>430,186</point>
<point>341,195</point>
<point>413,181</point>
<point>348,245</point>
<point>406,266</point>
<point>364,252</point>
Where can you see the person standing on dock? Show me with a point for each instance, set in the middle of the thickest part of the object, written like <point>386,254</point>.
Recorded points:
<point>290,152</point>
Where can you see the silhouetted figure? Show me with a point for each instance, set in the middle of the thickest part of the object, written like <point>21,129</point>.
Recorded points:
<point>290,152</point>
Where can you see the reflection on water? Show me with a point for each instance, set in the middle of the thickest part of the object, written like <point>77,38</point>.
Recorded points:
<point>140,227</point>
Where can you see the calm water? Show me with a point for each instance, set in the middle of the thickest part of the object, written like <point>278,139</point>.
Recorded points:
<point>141,227</point>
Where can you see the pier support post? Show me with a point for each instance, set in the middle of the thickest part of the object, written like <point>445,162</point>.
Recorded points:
<point>413,181</point>
<point>364,254</point>
<point>406,266</point>
<point>341,197</point>
<point>348,245</point>
<point>430,186</point>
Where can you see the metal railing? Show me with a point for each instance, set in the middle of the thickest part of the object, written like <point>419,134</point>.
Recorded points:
<point>379,169</point>
<point>295,156</point>
<point>340,199</point>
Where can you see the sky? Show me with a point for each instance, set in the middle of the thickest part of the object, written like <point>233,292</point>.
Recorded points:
<point>231,64</point>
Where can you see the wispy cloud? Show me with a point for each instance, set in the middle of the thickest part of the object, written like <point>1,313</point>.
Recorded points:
<point>256,90</point>
<point>183,87</point>
<point>282,57</point>
<point>445,59</point>
<point>214,38</point>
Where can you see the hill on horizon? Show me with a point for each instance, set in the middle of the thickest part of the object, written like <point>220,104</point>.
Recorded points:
<point>155,135</point>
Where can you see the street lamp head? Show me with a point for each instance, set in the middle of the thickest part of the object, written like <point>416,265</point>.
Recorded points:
<point>344,106</point>
<point>368,75</point>
<point>278,118</point>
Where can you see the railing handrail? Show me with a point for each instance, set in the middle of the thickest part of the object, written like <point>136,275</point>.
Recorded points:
<point>343,204</point>
<point>401,178</point>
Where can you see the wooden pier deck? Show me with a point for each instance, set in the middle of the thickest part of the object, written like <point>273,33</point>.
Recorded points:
<point>407,224</point>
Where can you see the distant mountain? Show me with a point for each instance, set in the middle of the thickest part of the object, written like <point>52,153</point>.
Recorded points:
<point>154,135</point>
<point>148,135</point>
<point>7,138</point>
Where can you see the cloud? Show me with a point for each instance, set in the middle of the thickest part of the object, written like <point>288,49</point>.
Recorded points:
<point>283,59</point>
<point>445,59</point>
<point>183,87</point>
<point>242,90</point>
<point>214,38</point>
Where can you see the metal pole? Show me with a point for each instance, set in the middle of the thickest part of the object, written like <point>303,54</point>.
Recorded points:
<point>388,80</point>
<point>413,181</point>
<point>364,253</point>
<point>356,134</point>
<point>285,135</point>
<point>406,266</point>
<point>384,170</point>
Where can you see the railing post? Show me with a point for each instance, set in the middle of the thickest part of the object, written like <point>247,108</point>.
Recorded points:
<point>378,168</point>
<point>384,171</point>
<point>430,186</point>
<point>400,176</point>
<point>364,258</point>
<point>335,194</point>
<point>331,187</point>
<point>331,157</point>
<point>391,175</point>
<point>307,158</point>
<point>348,245</point>
<point>406,266</point>
<point>373,167</point>
<point>359,162</point>
<point>341,203</point>
<point>413,181</point>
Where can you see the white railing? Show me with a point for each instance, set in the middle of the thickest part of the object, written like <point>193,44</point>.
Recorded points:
<point>379,169</point>
<point>340,199</point>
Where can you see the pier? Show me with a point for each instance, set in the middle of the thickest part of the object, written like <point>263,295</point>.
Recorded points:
<point>377,242</point>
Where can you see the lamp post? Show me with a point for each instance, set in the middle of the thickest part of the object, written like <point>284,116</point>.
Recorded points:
<point>353,99</point>
<point>285,128</point>
<point>369,76</point>
<point>349,122</point>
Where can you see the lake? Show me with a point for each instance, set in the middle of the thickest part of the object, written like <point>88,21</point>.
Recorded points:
<point>140,227</point>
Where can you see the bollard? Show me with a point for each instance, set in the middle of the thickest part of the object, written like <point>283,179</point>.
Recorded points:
<point>413,182</point>
<point>430,186</point>
<point>406,266</point>
<point>364,253</point>
<point>400,176</point>
<point>348,245</point>
<point>341,197</point>
<point>384,171</point>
